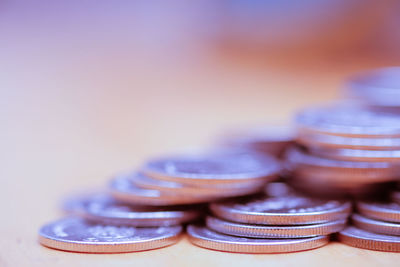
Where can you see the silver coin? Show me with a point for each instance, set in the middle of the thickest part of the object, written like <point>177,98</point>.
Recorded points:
<point>344,120</point>
<point>356,237</point>
<point>103,208</point>
<point>283,210</point>
<point>206,238</point>
<point>78,235</point>
<point>216,190</point>
<point>225,166</point>
<point>122,189</point>
<point>359,155</point>
<point>262,231</point>
<point>375,226</point>
<point>389,212</point>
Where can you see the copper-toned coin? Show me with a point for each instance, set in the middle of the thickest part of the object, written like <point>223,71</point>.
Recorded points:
<point>263,231</point>
<point>389,212</point>
<point>124,190</point>
<point>359,155</point>
<point>356,237</point>
<point>77,235</point>
<point>345,120</point>
<point>282,210</point>
<point>103,208</point>
<point>395,196</point>
<point>225,166</point>
<point>375,226</point>
<point>206,238</point>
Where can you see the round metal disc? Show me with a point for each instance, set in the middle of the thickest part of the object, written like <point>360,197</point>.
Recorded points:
<point>356,237</point>
<point>359,155</point>
<point>389,212</point>
<point>77,235</point>
<point>262,231</point>
<point>203,237</point>
<point>375,226</point>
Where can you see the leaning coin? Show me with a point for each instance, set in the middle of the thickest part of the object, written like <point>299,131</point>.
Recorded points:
<point>78,235</point>
<point>375,226</point>
<point>282,210</point>
<point>203,237</point>
<point>355,237</point>
<point>103,208</point>
<point>342,120</point>
<point>225,166</point>
<point>262,231</point>
<point>124,190</point>
<point>389,212</point>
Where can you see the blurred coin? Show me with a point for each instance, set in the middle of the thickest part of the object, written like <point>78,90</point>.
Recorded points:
<point>375,226</point>
<point>215,190</point>
<point>359,155</point>
<point>103,208</point>
<point>389,212</point>
<point>225,166</point>
<point>350,121</point>
<point>281,210</point>
<point>395,196</point>
<point>73,234</point>
<point>262,231</point>
<point>356,237</point>
<point>124,190</point>
<point>203,237</point>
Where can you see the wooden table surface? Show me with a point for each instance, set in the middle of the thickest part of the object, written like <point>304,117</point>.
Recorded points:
<point>73,117</point>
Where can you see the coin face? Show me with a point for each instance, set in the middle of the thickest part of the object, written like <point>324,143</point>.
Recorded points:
<point>103,208</point>
<point>348,121</point>
<point>262,231</point>
<point>356,237</point>
<point>225,166</point>
<point>203,237</point>
<point>282,210</point>
<point>375,226</point>
<point>389,212</point>
<point>73,234</point>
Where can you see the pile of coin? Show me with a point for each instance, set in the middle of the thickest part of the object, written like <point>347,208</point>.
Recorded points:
<point>281,220</point>
<point>145,209</point>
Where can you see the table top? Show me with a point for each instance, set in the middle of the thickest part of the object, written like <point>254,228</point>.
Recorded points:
<point>70,121</point>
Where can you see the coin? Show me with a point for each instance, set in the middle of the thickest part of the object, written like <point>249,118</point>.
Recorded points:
<point>124,190</point>
<point>78,235</point>
<point>359,155</point>
<point>395,196</point>
<point>282,210</point>
<point>375,226</point>
<point>225,166</point>
<point>356,237</point>
<point>389,212</point>
<point>103,208</point>
<point>217,190</point>
<point>261,231</point>
<point>342,120</point>
<point>206,238</point>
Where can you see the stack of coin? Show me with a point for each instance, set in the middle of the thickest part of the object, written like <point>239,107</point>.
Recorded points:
<point>271,140</point>
<point>146,209</point>
<point>200,178</point>
<point>378,89</point>
<point>376,226</point>
<point>345,150</point>
<point>281,220</point>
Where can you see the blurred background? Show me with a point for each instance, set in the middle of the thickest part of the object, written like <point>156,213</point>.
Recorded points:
<point>90,88</point>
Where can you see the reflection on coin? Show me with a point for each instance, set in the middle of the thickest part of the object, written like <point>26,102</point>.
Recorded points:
<point>72,234</point>
<point>214,167</point>
<point>261,231</point>
<point>284,210</point>
<point>375,226</point>
<point>348,121</point>
<point>389,212</point>
<point>359,155</point>
<point>124,190</point>
<point>102,208</point>
<point>217,190</point>
<point>356,237</point>
<point>203,237</point>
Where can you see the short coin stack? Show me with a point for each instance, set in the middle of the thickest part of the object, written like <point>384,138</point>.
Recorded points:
<point>147,208</point>
<point>348,151</point>
<point>279,221</point>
